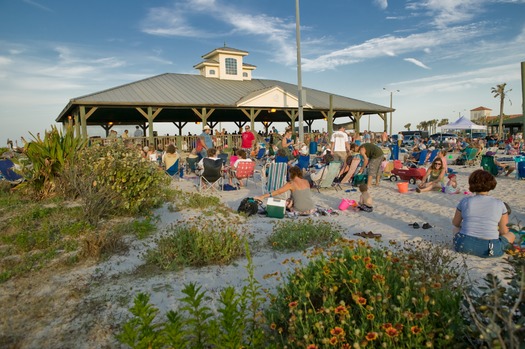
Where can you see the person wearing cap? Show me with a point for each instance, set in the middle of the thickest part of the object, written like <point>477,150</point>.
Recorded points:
<point>507,168</point>
<point>206,141</point>
<point>452,185</point>
<point>480,220</point>
<point>247,140</point>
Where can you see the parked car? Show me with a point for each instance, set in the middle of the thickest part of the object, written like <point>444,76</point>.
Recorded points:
<point>440,137</point>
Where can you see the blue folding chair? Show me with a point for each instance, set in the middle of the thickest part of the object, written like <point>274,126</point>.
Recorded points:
<point>422,157</point>
<point>173,170</point>
<point>7,173</point>
<point>303,162</point>
<point>433,155</point>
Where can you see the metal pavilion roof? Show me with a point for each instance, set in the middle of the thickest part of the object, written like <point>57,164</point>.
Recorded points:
<point>177,94</point>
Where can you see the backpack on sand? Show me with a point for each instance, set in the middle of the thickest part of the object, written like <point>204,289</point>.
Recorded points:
<point>248,206</point>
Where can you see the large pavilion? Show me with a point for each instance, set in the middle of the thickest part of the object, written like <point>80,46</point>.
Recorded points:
<point>221,93</point>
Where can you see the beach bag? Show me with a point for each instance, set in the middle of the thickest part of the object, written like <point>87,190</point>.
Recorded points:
<point>248,206</point>
<point>198,146</point>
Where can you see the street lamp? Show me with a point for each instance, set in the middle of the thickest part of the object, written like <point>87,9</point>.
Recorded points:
<point>299,76</point>
<point>391,93</point>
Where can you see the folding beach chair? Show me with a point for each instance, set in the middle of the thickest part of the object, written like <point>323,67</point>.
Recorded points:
<point>211,176</point>
<point>223,157</point>
<point>244,170</point>
<point>8,174</point>
<point>303,162</point>
<point>470,156</point>
<point>273,176</point>
<point>191,164</point>
<point>433,155</point>
<point>422,157</point>
<point>327,179</point>
<point>173,170</point>
<point>261,156</point>
<point>487,163</point>
<point>520,169</point>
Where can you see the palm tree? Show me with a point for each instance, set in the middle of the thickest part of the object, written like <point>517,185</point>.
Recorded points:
<point>499,91</point>
<point>407,126</point>
<point>443,122</point>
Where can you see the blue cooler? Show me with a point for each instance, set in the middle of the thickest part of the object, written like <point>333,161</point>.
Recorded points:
<point>395,152</point>
<point>313,148</point>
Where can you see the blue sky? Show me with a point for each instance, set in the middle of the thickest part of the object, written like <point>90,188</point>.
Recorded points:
<point>442,55</point>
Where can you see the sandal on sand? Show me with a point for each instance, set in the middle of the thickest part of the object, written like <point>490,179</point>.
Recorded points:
<point>369,235</point>
<point>414,225</point>
<point>426,226</point>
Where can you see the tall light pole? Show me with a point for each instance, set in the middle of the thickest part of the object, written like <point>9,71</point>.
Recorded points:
<point>391,94</point>
<point>299,77</point>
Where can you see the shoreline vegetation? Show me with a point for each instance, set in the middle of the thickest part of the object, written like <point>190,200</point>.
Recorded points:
<point>94,263</point>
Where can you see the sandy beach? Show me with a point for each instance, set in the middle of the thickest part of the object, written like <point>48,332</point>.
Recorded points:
<point>85,303</point>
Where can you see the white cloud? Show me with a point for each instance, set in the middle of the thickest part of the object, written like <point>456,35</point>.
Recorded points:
<point>5,60</point>
<point>416,62</point>
<point>446,12</point>
<point>383,4</point>
<point>176,21</point>
<point>391,45</point>
<point>36,4</point>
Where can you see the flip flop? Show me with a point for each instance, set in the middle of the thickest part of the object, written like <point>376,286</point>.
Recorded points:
<point>426,226</point>
<point>370,235</point>
<point>414,225</point>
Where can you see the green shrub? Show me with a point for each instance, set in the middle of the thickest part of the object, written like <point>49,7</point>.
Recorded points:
<point>197,244</point>
<point>495,310</point>
<point>360,296</point>
<point>138,185</point>
<point>45,159</point>
<point>237,323</point>
<point>297,235</point>
<point>37,234</point>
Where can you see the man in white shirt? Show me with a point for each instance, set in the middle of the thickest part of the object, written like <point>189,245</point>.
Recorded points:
<point>340,145</point>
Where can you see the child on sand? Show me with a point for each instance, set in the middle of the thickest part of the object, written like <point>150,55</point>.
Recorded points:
<point>365,200</point>
<point>452,185</point>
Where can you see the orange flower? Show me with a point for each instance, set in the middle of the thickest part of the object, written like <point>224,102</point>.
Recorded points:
<point>399,327</point>
<point>337,331</point>
<point>361,300</point>
<point>312,346</point>
<point>292,305</point>
<point>333,341</point>
<point>345,346</point>
<point>341,310</point>
<point>436,285</point>
<point>415,330</point>
<point>370,316</point>
<point>378,277</point>
<point>367,259</point>
<point>371,336</point>
<point>273,326</point>
<point>391,332</point>
<point>370,266</point>
<point>356,257</point>
<point>386,326</point>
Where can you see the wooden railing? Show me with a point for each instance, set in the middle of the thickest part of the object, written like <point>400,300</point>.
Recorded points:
<point>184,143</point>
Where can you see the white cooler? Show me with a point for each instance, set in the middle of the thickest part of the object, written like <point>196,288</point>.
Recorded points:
<point>275,207</point>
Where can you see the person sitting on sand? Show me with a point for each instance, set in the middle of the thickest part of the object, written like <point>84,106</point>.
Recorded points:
<point>365,200</point>
<point>452,185</point>
<point>433,178</point>
<point>301,200</point>
<point>481,220</point>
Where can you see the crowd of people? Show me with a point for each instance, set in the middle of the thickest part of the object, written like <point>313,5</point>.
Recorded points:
<point>480,220</point>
